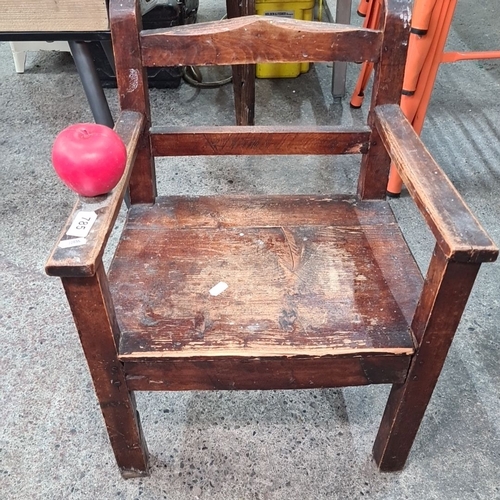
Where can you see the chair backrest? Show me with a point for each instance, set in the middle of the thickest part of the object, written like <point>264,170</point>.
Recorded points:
<point>251,40</point>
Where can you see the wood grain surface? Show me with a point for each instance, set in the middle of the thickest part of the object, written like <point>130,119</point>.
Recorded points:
<point>308,280</point>
<point>254,39</point>
<point>133,92</point>
<point>93,312</point>
<point>456,229</point>
<point>258,140</point>
<point>243,75</point>
<point>241,373</point>
<point>445,294</point>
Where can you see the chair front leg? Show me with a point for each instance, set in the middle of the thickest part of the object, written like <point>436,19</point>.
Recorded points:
<point>444,296</point>
<point>94,316</point>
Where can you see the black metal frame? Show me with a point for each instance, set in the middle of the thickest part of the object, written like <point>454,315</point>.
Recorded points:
<point>83,62</point>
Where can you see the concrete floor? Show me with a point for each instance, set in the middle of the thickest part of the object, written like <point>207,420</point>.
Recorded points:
<point>255,445</point>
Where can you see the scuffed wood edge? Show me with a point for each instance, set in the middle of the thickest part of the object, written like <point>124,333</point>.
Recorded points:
<point>126,23</point>
<point>458,233</point>
<point>256,351</point>
<point>83,260</point>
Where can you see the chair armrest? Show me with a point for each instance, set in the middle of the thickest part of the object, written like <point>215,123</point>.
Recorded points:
<point>84,258</point>
<point>457,231</point>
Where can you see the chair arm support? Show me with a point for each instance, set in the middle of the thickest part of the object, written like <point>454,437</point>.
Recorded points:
<point>83,259</point>
<point>457,231</point>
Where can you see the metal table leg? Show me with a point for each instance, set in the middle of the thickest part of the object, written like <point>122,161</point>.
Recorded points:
<point>342,16</point>
<point>91,83</point>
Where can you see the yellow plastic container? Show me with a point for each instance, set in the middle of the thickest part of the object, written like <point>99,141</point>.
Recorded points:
<point>298,10</point>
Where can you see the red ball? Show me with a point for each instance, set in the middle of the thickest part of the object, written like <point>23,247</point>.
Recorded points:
<point>90,159</point>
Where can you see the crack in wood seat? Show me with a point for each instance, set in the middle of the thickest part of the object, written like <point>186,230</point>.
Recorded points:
<point>318,291</point>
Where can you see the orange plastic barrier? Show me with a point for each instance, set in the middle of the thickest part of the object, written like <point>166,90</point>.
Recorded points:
<point>430,25</point>
<point>363,7</point>
<point>415,106</point>
<point>371,13</point>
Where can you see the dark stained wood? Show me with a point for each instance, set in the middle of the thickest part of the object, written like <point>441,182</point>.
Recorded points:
<point>446,290</point>
<point>126,22</point>
<point>255,39</point>
<point>192,212</point>
<point>179,141</point>
<point>95,320</point>
<point>457,231</point>
<point>294,289</point>
<point>387,85</point>
<point>83,260</point>
<point>321,290</point>
<point>268,373</point>
<point>374,171</point>
<point>389,72</point>
<point>244,93</point>
<point>276,211</point>
<point>243,75</point>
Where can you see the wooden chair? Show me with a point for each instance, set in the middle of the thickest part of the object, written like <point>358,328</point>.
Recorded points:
<point>268,292</point>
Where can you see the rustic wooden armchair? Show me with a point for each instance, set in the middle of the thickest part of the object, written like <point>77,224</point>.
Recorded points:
<point>268,292</point>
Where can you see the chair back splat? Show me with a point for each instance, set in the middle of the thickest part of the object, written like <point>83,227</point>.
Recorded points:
<point>268,292</point>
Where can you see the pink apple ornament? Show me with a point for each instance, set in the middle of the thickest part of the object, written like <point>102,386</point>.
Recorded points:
<point>90,159</point>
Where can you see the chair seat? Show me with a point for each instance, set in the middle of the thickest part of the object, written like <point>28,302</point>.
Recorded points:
<point>258,277</point>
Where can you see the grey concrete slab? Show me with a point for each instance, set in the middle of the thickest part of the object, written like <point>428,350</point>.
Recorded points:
<point>255,445</point>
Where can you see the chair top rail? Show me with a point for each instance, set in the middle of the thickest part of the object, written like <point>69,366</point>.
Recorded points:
<point>458,233</point>
<point>258,39</point>
<point>81,258</point>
